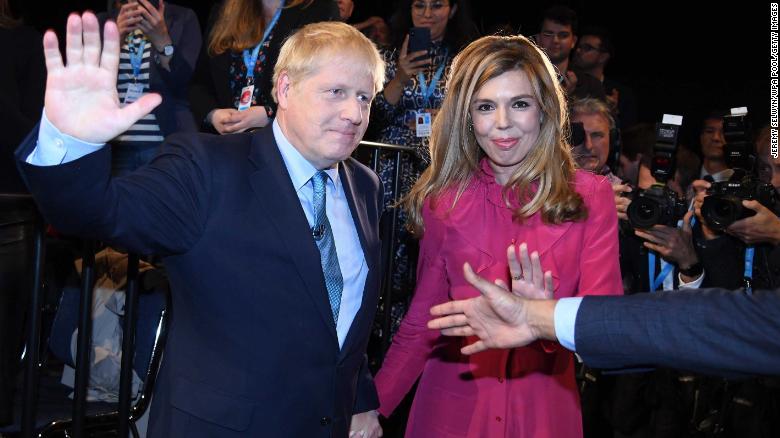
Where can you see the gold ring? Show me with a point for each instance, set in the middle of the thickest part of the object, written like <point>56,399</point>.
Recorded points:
<point>517,278</point>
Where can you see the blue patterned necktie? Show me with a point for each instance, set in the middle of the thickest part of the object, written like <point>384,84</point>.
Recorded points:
<point>323,236</point>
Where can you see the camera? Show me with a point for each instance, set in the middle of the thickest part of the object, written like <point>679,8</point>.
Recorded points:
<point>659,205</point>
<point>723,205</point>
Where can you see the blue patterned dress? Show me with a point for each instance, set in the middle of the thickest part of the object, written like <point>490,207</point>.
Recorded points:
<point>395,130</point>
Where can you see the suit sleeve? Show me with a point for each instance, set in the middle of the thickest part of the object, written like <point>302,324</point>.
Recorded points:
<point>414,341</point>
<point>711,331</point>
<point>161,208</point>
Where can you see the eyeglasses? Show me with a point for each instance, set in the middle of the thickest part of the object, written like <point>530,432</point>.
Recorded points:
<point>585,47</point>
<point>420,7</point>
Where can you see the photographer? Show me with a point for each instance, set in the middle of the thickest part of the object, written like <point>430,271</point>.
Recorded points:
<point>726,253</point>
<point>739,250</point>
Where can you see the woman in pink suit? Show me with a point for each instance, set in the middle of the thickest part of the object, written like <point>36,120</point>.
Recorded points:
<point>501,174</point>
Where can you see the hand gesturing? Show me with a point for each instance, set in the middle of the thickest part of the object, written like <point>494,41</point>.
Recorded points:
<point>81,97</point>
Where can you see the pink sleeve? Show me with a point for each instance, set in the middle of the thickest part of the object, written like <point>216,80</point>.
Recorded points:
<point>414,341</point>
<point>600,262</point>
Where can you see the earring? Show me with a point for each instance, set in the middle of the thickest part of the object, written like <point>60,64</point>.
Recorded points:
<point>471,127</point>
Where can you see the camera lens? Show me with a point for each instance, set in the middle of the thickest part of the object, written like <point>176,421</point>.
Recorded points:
<point>721,211</point>
<point>644,212</point>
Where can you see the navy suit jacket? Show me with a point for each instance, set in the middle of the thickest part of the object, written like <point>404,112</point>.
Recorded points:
<point>712,331</point>
<point>174,114</point>
<point>252,349</point>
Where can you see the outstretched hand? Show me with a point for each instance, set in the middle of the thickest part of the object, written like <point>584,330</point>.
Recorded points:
<point>81,98</point>
<point>501,318</point>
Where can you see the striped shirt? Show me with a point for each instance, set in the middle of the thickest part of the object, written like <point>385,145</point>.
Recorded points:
<point>146,132</point>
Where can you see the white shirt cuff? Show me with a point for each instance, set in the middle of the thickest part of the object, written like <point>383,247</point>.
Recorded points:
<point>695,284</point>
<point>55,148</point>
<point>564,318</point>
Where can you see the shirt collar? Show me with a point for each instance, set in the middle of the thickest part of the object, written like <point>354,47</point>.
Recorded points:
<point>300,169</point>
<point>723,175</point>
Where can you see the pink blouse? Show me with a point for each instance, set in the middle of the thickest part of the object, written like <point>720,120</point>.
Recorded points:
<point>523,392</point>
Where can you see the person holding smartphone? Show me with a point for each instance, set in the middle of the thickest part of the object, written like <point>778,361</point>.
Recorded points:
<point>231,91</point>
<point>428,34</point>
<point>160,43</point>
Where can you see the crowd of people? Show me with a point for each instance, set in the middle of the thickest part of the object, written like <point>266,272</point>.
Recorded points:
<point>528,163</point>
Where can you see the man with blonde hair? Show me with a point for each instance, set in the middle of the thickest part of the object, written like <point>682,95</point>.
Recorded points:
<point>270,239</point>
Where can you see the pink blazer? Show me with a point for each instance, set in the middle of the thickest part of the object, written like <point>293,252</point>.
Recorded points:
<point>524,392</point>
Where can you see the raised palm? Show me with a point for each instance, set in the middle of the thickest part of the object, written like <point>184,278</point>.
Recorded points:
<point>81,98</point>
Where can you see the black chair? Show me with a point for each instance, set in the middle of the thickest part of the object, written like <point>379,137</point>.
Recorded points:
<point>54,416</point>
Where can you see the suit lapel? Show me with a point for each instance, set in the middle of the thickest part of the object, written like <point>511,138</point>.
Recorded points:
<point>271,181</point>
<point>369,244</point>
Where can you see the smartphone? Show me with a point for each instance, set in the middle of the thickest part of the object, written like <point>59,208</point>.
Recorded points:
<point>419,39</point>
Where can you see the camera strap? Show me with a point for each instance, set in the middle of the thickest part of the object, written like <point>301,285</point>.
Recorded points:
<point>748,276</point>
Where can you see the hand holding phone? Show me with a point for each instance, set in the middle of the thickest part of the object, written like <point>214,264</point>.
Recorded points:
<point>414,56</point>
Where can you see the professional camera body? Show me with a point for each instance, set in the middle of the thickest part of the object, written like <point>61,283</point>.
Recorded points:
<point>723,205</point>
<point>659,205</point>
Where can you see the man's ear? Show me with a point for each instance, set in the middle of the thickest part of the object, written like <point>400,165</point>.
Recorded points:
<point>282,88</point>
<point>453,10</point>
<point>573,41</point>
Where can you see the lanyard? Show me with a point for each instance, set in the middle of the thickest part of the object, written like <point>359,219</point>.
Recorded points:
<point>427,89</point>
<point>136,53</point>
<point>250,59</point>
<point>748,277</point>
<point>657,281</point>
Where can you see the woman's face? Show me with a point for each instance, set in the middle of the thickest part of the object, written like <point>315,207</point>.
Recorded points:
<point>433,14</point>
<point>506,118</point>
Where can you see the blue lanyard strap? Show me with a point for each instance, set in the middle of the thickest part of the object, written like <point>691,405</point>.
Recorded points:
<point>657,281</point>
<point>250,59</point>
<point>748,277</point>
<point>428,89</point>
<point>136,53</point>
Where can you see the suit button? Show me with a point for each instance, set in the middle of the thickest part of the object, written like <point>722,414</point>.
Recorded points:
<point>498,419</point>
<point>500,380</point>
<point>324,421</point>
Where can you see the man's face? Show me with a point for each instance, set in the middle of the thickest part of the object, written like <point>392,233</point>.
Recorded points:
<point>325,115</point>
<point>711,139</point>
<point>592,154</point>
<point>557,40</point>
<point>588,53</point>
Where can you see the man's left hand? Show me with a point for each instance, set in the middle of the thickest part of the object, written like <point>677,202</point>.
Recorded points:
<point>365,425</point>
<point>674,245</point>
<point>764,227</point>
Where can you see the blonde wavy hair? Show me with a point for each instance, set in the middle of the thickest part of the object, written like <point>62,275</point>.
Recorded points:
<point>455,153</point>
<point>315,44</point>
<point>241,25</point>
